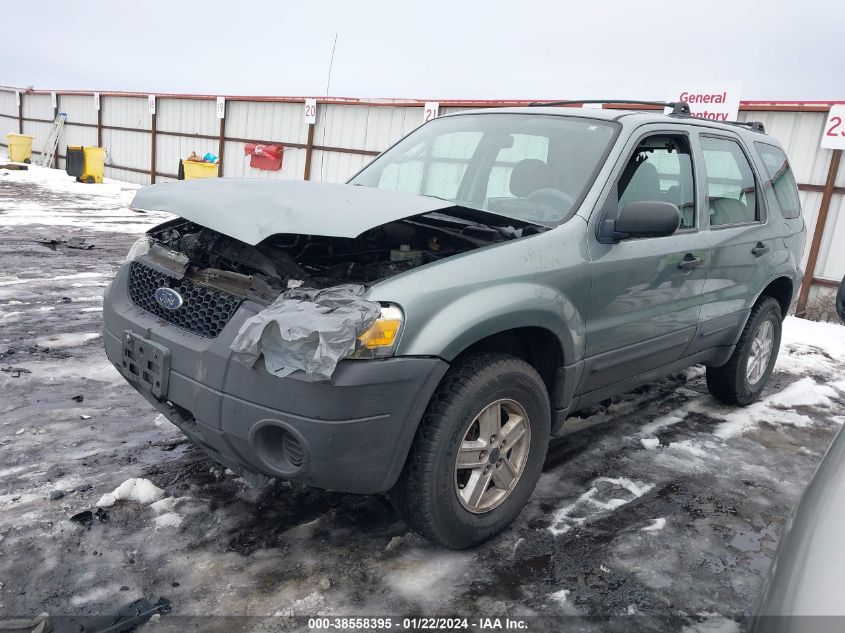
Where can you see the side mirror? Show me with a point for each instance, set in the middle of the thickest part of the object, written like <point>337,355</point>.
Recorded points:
<point>648,218</point>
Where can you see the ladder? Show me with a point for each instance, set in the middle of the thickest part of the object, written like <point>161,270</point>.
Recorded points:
<point>52,142</point>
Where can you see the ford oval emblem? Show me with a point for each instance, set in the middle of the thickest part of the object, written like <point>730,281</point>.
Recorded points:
<point>168,298</point>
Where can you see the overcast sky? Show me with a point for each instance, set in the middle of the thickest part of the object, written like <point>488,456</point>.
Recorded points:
<point>486,49</point>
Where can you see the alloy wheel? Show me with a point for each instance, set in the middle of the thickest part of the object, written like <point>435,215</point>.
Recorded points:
<point>492,456</point>
<point>761,351</point>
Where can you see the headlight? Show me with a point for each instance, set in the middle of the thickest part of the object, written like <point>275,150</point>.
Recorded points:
<point>139,248</point>
<point>382,338</point>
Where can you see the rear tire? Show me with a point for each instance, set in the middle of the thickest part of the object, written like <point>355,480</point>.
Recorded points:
<point>741,380</point>
<point>433,493</point>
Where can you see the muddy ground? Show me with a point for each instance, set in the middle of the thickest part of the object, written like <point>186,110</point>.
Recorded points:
<point>663,509</point>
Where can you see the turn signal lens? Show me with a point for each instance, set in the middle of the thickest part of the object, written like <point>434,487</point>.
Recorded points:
<point>382,334</point>
<point>381,339</point>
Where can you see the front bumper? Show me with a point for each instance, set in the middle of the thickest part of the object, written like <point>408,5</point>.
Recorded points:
<point>351,434</point>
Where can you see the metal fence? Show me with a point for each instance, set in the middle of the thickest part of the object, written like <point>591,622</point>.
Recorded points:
<point>145,147</point>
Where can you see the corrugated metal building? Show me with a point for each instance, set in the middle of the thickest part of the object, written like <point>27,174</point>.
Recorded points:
<point>143,147</point>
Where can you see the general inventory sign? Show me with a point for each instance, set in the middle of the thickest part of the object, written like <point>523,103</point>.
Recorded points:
<point>713,101</point>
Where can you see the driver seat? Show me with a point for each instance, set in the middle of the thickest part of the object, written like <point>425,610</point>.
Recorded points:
<point>528,176</point>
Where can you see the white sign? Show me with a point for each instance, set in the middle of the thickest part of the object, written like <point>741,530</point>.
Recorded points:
<point>221,107</point>
<point>151,102</point>
<point>53,99</point>
<point>714,101</point>
<point>97,101</point>
<point>432,109</point>
<point>310,111</point>
<point>833,133</point>
<point>17,97</point>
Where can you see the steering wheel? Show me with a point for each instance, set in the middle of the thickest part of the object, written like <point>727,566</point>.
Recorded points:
<point>556,203</point>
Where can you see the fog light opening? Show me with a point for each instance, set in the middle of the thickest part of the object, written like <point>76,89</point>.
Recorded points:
<point>279,449</point>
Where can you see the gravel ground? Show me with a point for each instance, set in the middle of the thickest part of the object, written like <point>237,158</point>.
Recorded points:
<point>659,511</point>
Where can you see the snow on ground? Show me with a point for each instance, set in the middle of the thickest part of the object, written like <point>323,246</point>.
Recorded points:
<point>70,204</point>
<point>662,506</point>
<point>133,489</point>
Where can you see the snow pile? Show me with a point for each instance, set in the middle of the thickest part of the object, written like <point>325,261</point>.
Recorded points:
<point>655,525</point>
<point>166,516</point>
<point>829,337</point>
<point>777,408</point>
<point>560,596</point>
<point>617,493</point>
<point>58,200</point>
<point>134,489</point>
<point>693,448</point>
<point>650,442</point>
<point>168,519</point>
<point>678,415</point>
<point>804,393</point>
<point>61,341</point>
<point>427,576</point>
<point>145,492</point>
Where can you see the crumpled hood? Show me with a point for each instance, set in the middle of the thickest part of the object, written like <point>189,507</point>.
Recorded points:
<point>252,210</point>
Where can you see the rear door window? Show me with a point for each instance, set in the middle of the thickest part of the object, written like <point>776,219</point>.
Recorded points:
<point>731,188</point>
<point>781,179</point>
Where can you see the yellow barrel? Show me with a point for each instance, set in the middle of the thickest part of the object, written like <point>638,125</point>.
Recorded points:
<point>95,164</point>
<point>194,169</point>
<point>20,147</point>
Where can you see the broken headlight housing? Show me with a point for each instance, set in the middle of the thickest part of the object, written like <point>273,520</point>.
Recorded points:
<point>140,248</point>
<point>382,338</point>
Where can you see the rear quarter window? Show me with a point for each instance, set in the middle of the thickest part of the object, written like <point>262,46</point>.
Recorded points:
<point>780,178</point>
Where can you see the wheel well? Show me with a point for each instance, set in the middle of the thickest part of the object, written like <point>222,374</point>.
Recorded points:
<point>537,346</point>
<point>781,290</point>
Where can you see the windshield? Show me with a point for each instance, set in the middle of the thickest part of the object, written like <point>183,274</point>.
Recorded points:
<point>525,166</point>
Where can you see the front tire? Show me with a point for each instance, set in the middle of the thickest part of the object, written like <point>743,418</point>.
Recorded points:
<point>478,452</point>
<point>742,379</point>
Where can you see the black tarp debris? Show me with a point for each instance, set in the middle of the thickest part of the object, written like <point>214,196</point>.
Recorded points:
<point>86,517</point>
<point>15,372</point>
<point>127,618</point>
<point>79,243</point>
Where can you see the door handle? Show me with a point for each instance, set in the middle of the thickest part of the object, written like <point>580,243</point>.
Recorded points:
<point>689,262</point>
<point>759,249</point>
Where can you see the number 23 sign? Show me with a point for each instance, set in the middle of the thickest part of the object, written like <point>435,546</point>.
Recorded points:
<point>833,134</point>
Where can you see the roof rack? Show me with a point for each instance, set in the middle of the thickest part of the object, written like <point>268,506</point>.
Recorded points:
<point>754,126</point>
<point>678,107</point>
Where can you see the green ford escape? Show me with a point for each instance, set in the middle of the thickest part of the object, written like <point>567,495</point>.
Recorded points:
<point>425,328</point>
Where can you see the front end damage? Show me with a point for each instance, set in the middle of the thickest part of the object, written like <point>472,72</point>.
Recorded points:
<point>193,312</point>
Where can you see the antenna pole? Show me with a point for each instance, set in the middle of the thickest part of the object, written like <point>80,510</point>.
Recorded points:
<point>328,84</point>
<point>331,63</point>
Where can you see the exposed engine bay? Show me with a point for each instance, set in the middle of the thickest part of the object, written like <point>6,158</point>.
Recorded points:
<point>284,261</point>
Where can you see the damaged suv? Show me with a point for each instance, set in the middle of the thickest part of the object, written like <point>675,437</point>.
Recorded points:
<point>425,328</point>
